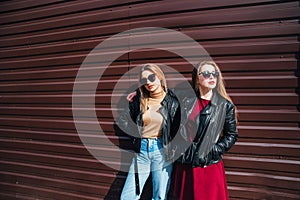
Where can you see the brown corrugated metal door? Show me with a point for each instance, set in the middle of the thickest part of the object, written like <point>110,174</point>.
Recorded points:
<point>43,44</point>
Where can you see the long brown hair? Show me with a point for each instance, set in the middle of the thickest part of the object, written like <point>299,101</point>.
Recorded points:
<point>155,69</point>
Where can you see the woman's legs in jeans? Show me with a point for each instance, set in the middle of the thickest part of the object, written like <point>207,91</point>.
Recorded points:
<point>161,178</point>
<point>129,189</point>
<point>152,159</point>
<point>161,171</point>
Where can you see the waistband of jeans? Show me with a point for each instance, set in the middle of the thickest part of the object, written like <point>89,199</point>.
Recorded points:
<point>152,138</point>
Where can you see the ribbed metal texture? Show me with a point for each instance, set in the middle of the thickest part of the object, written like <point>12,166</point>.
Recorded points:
<point>43,44</point>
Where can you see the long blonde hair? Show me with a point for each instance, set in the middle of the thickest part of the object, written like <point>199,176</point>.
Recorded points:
<point>220,83</point>
<point>155,69</point>
<point>220,88</point>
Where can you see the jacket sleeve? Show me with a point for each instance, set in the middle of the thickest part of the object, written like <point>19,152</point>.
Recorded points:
<point>228,138</point>
<point>126,121</point>
<point>176,119</point>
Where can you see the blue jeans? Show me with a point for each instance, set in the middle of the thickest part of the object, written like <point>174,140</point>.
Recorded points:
<point>150,159</point>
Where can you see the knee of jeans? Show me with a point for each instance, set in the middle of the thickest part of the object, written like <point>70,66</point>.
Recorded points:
<point>125,195</point>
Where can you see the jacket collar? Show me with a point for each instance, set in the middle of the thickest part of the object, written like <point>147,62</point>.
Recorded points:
<point>213,103</point>
<point>215,98</point>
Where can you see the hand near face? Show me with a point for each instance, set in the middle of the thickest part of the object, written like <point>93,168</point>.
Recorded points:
<point>130,96</point>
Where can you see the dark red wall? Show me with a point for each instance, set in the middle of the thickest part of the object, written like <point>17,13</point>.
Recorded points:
<point>43,44</point>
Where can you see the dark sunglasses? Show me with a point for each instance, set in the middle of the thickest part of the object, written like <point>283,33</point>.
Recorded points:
<point>206,74</point>
<point>150,78</point>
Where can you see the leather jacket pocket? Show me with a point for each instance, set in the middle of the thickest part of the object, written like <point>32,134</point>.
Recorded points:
<point>214,156</point>
<point>188,156</point>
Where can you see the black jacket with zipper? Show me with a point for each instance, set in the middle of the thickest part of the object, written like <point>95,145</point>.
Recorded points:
<point>130,121</point>
<point>214,135</point>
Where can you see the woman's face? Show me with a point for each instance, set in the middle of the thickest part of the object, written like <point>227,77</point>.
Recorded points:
<point>208,77</point>
<point>150,80</point>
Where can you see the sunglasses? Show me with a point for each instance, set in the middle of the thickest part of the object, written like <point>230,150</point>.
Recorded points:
<point>150,78</point>
<point>206,74</point>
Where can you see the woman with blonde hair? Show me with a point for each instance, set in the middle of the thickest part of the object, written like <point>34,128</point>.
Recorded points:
<point>209,124</point>
<point>155,116</point>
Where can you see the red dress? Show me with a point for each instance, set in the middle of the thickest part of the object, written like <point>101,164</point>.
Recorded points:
<point>198,183</point>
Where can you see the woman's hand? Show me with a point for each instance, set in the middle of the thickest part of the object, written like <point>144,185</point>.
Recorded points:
<point>130,96</point>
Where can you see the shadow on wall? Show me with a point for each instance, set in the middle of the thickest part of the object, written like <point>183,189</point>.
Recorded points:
<point>123,143</point>
<point>117,186</point>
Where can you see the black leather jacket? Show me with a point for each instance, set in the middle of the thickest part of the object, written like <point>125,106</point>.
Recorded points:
<point>131,122</point>
<point>216,132</point>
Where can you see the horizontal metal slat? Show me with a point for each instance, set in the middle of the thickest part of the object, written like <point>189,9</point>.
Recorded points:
<point>146,8</point>
<point>275,116</point>
<point>105,119</point>
<point>106,151</point>
<point>42,135</point>
<point>264,180</point>
<point>265,132</point>
<point>175,21</point>
<point>54,160</point>
<point>91,83</point>
<point>71,59</point>
<point>231,15</point>
<point>60,173</point>
<point>54,183</point>
<point>270,164</point>
<point>103,100</point>
<point>28,190</point>
<point>258,66</point>
<point>65,8</point>
<point>213,50</point>
<point>102,15</point>
<point>10,6</point>
<point>244,192</point>
<point>269,149</point>
<point>251,30</point>
<point>13,196</point>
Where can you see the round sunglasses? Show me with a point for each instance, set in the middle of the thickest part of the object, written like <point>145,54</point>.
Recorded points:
<point>150,78</point>
<point>207,74</point>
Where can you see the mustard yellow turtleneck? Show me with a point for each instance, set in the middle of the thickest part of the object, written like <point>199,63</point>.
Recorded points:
<point>152,118</point>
